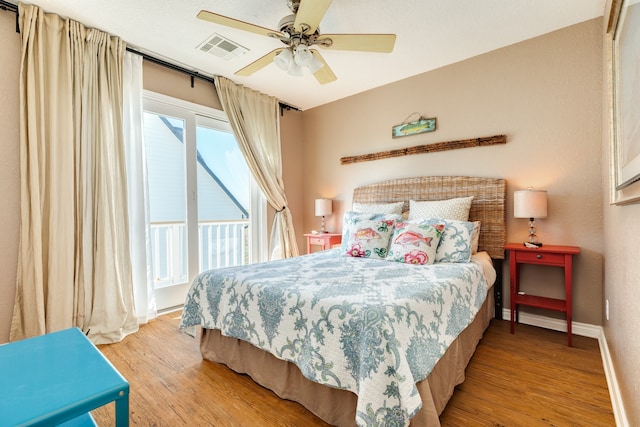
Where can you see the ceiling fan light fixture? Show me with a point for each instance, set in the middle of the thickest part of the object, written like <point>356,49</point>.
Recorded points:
<point>284,59</point>
<point>315,64</point>
<point>300,33</point>
<point>295,70</point>
<point>302,55</point>
<point>294,60</point>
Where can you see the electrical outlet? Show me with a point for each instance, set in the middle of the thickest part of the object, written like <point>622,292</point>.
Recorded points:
<point>606,309</point>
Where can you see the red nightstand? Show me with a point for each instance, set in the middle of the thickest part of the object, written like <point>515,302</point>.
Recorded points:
<point>558,256</point>
<point>326,240</point>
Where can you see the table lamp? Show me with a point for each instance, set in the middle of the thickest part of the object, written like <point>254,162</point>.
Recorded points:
<point>323,208</point>
<point>530,204</point>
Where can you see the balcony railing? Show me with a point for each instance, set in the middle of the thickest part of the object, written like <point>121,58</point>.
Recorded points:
<point>220,244</point>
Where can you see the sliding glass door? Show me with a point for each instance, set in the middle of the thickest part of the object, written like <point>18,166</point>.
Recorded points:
<point>205,210</point>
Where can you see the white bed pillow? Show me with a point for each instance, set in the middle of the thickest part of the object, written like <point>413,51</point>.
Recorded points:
<point>455,209</point>
<point>475,239</point>
<point>415,242</point>
<point>378,208</point>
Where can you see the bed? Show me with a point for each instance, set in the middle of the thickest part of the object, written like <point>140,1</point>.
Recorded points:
<point>372,345</point>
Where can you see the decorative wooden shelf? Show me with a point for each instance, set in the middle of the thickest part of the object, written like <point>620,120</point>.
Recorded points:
<point>427,148</point>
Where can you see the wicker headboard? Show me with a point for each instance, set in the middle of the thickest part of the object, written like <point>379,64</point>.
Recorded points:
<point>488,205</point>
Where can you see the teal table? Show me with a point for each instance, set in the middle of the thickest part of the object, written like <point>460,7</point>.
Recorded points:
<point>58,378</point>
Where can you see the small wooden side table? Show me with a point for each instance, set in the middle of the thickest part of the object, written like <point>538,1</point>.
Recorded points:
<point>57,378</point>
<point>325,240</point>
<point>550,255</point>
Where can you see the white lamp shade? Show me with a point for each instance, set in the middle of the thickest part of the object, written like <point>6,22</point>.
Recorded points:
<point>323,207</point>
<point>302,56</point>
<point>295,69</point>
<point>530,204</point>
<point>283,59</point>
<point>315,64</point>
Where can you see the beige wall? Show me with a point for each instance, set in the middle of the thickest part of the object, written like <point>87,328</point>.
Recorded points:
<point>9,167</point>
<point>622,289</point>
<point>544,94</point>
<point>166,81</point>
<point>622,274</point>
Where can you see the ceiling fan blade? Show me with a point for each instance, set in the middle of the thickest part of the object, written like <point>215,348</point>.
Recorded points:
<point>235,23</point>
<point>310,13</point>
<point>324,75</point>
<point>259,63</point>
<point>363,42</point>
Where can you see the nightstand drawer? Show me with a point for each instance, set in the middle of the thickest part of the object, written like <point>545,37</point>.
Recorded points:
<point>534,257</point>
<point>316,241</point>
<point>324,240</point>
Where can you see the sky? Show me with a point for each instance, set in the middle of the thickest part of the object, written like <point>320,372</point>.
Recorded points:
<point>221,153</point>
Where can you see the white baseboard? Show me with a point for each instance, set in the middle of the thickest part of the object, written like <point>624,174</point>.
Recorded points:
<point>585,330</point>
<point>170,309</point>
<point>612,381</point>
<point>582,329</point>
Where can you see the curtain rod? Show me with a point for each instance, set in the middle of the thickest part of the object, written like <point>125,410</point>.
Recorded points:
<point>4,5</point>
<point>193,74</point>
<point>166,64</point>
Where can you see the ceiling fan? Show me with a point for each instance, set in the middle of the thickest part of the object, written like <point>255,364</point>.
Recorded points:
<point>299,32</point>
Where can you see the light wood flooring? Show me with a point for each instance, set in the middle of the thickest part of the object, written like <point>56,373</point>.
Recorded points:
<point>530,378</point>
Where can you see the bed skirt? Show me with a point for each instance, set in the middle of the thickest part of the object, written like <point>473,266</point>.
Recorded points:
<point>337,407</point>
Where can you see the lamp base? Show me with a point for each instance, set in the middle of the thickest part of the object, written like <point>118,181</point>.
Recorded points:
<point>532,244</point>
<point>323,229</point>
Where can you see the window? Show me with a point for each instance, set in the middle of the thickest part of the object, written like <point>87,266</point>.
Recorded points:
<point>205,209</point>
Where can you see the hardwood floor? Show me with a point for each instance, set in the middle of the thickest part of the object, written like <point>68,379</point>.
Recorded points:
<point>539,381</point>
<point>528,379</point>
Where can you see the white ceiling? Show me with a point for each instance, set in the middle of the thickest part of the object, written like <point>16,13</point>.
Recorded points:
<point>430,34</point>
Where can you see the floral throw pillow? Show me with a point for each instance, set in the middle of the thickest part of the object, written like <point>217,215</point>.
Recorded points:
<point>352,219</point>
<point>415,242</point>
<point>370,238</point>
<point>456,241</point>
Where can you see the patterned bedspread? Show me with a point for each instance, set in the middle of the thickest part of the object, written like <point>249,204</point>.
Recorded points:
<point>370,326</point>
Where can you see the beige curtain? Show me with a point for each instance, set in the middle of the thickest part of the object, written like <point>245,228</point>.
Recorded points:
<point>254,120</point>
<point>74,267</point>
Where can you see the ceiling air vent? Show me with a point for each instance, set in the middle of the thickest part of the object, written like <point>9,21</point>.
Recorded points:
<point>222,47</point>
